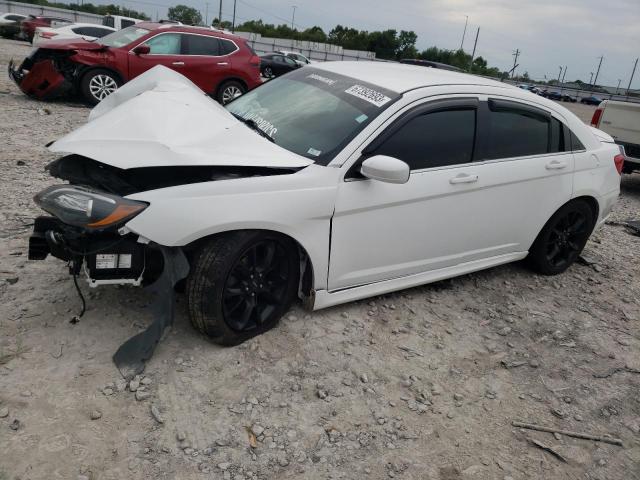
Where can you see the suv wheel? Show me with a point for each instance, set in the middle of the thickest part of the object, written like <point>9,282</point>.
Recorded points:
<point>562,239</point>
<point>267,72</point>
<point>230,90</point>
<point>98,84</point>
<point>241,284</point>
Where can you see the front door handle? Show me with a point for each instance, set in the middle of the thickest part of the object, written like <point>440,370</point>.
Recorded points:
<point>463,178</point>
<point>223,63</point>
<point>556,165</point>
<point>178,63</point>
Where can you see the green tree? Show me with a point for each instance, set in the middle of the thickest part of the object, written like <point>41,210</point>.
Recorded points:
<point>185,14</point>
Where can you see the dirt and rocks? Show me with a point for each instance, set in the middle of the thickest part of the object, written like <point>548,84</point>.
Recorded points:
<point>420,384</point>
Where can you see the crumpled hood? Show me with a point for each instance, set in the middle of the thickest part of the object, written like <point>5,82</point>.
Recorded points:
<point>162,119</point>
<point>71,44</point>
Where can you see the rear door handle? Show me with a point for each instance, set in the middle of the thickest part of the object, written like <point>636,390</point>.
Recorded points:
<point>556,165</point>
<point>463,178</point>
<point>223,63</point>
<point>177,63</point>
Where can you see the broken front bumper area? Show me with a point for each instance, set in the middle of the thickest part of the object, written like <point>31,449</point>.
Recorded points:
<point>39,78</point>
<point>110,258</point>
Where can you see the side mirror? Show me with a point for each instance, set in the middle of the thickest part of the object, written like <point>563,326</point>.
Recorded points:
<point>385,169</point>
<point>142,49</point>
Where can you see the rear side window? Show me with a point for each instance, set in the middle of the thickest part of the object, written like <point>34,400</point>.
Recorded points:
<point>109,22</point>
<point>126,23</point>
<point>15,18</point>
<point>227,47</point>
<point>575,143</point>
<point>434,139</point>
<point>516,132</point>
<point>557,140</point>
<point>200,45</point>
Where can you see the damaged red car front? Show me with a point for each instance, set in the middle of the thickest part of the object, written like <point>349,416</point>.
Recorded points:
<point>53,70</point>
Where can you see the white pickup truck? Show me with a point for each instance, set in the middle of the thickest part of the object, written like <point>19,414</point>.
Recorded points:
<point>621,120</point>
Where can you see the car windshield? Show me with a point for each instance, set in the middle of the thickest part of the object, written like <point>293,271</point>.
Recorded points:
<point>123,37</point>
<point>312,112</point>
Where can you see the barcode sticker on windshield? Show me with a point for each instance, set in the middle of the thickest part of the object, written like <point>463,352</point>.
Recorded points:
<point>368,95</point>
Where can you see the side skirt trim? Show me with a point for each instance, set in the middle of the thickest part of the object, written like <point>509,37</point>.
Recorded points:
<point>326,299</point>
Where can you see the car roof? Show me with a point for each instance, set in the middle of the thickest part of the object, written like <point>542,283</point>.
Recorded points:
<point>173,27</point>
<point>401,77</point>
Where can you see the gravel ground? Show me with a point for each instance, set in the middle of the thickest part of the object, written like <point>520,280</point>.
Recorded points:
<point>420,384</point>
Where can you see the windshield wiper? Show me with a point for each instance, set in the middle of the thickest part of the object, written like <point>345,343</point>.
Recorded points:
<point>254,126</point>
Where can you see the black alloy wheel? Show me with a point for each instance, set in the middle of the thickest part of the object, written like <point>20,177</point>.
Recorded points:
<point>241,283</point>
<point>562,239</point>
<point>256,286</point>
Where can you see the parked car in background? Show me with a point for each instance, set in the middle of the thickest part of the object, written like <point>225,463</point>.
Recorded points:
<point>431,64</point>
<point>10,24</point>
<point>298,57</point>
<point>554,96</point>
<point>286,192</point>
<point>276,64</point>
<point>621,120</point>
<point>29,25</point>
<point>119,22</point>
<point>593,100</point>
<point>565,97</point>
<point>221,65</point>
<point>85,31</point>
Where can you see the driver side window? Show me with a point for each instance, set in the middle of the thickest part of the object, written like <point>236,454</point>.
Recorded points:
<point>165,44</point>
<point>433,139</point>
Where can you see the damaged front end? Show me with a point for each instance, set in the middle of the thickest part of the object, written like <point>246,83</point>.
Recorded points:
<point>46,73</point>
<point>85,231</point>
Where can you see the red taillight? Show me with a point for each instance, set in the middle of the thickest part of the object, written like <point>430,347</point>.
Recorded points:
<point>48,34</point>
<point>595,120</point>
<point>254,61</point>
<point>619,161</point>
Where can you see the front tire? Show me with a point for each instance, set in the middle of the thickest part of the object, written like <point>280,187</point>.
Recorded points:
<point>241,284</point>
<point>562,238</point>
<point>98,84</point>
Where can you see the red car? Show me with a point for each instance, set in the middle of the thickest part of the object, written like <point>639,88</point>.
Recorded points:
<point>29,24</point>
<point>222,65</point>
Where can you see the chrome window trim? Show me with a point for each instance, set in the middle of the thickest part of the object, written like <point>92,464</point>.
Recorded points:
<point>186,54</point>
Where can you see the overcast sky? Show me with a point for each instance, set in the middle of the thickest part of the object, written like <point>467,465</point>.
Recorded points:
<point>548,33</point>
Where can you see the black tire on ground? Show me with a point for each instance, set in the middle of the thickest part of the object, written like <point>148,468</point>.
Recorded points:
<point>97,84</point>
<point>241,283</point>
<point>267,72</point>
<point>230,90</point>
<point>562,239</point>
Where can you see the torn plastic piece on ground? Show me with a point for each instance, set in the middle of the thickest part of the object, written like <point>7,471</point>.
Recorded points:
<point>132,354</point>
<point>633,226</point>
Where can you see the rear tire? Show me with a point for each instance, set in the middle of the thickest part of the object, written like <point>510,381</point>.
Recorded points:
<point>98,84</point>
<point>230,90</point>
<point>241,284</point>
<point>562,239</point>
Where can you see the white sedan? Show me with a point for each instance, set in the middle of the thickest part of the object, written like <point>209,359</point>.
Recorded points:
<point>86,31</point>
<point>330,184</point>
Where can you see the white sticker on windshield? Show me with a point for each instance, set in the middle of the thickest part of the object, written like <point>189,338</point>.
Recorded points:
<point>368,95</point>
<point>361,118</point>
<point>314,152</point>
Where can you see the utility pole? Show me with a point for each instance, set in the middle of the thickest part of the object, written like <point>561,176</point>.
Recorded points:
<point>233,22</point>
<point>618,87</point>
<point>220,15</point>
<point>590,80</point>
<point>516,54</point>
<point>595,80</point>
<point>559,73</point>
<point>464,31</point>
<point>293,15</point>
<point>562,82</point>
<point>474,49</point>
<point>632,73</point>
<point>206,13</point>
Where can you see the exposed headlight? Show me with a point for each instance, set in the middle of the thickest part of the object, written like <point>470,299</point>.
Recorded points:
<point>86,208</point>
